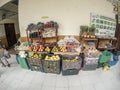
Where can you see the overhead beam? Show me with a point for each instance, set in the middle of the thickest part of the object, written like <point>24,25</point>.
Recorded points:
<point>2,9</point>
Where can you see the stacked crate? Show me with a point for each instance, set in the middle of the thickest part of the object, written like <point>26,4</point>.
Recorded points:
<point>52,63</point>
<point>90,63</point>
<point>71,64</point>
<point>35,63</point>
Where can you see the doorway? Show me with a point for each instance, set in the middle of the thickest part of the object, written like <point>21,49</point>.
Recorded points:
<point>10,34</point>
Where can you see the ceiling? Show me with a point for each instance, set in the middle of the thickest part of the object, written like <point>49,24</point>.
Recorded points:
<point>9,9</point>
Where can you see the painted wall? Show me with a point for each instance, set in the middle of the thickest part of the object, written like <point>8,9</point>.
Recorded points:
<point>14,20</point>
<point>69,14</point>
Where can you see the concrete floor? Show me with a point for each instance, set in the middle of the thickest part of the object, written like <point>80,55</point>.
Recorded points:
<point>16,78</point>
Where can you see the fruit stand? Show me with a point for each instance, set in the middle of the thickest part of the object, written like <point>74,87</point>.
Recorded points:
<point>67,55</point>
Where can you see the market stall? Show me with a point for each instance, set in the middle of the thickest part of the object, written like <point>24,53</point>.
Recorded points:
<point>67,55</point>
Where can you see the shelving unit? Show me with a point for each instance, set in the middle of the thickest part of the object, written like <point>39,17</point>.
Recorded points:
<point>86,40</point>
<point>107,43</point>
<point>34,36</point>
<point>50,34</point>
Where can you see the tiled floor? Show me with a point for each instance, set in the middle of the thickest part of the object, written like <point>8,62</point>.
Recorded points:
<point>16,78</point>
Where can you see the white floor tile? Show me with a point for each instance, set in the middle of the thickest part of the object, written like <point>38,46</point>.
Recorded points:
<point>48,88</point>
<point>99,86</point>
<point>62,81</point>
<point>88,87</point>
<point>61,88</point>
<point>75,88</point>
<point>16,78</point>
<point>74,81</point>
<point>49,81</point>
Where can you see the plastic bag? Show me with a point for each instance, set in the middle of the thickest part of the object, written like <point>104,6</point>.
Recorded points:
<point>105,57</point>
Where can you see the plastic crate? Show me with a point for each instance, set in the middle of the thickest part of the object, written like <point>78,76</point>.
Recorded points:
<point>90,63</point>
<point>70,62</point>
<point>35,68</point>
<point>70,72</point>
<point>89,67</point>
<point>33,61</point>
<point>23,62</point>
<point>52,66</point>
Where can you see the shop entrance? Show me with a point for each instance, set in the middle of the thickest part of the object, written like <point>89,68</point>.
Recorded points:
<point>10,34</point>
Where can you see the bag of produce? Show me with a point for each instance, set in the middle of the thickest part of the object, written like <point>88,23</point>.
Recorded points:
<point>105,57</point>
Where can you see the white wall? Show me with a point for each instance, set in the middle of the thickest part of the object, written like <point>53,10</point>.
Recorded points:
<point>69,14</point>
<point>14,20</point>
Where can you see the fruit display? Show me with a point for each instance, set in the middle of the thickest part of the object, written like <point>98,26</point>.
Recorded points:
<point>106,67</point>
<point>54,49</point>
<point>50,29</point>
<point>41,48</point>
<point>52,58</point>
<point>51,24</point>
<point>91,58</point>
<point>35,59</point>
<point>87,32</point>
<point>68,44</point>
<point>47,49</point>
<point>51,63</point>
<point>30,48</point>
<point>34,55</point>
<point>91,51</point>
<point>71,62</point>
<point>36,48</point>
<point>63,49</point>
<point>88,36</point>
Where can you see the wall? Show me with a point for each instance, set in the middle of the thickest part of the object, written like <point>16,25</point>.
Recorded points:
<point>70,14</point>
<point>14,20</point>
<point>2,2</point>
